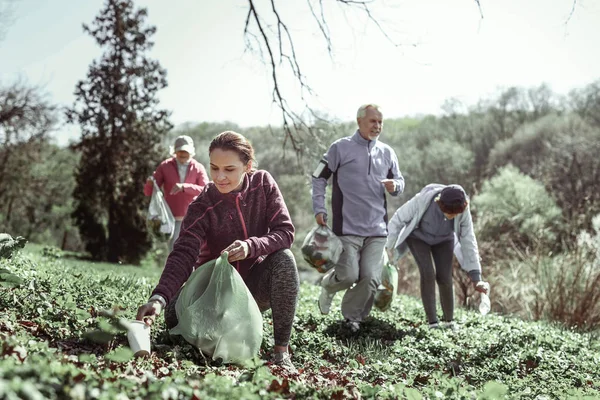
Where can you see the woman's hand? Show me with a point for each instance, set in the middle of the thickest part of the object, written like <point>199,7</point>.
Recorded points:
<point>148,312</point>
<point>237,250</point>
<point>482,287</point>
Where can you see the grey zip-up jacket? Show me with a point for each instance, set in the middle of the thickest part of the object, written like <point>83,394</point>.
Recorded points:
<point>359,204</point>
<point>407,218</point>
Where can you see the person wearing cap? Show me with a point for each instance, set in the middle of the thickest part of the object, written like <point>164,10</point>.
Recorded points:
<point>181,179</point>
<point>435,224</point>
<point>363,171</point>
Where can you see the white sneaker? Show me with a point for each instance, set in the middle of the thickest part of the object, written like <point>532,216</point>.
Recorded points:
<point>325,300</point>
<point>352,326</point>
<point>283,360</point>
<point>434,325</point>
<point>453,326</point>
<point>326,297</point>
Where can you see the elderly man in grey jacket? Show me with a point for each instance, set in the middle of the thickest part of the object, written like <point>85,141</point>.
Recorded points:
<point>363,170</point>
<point>434,224</point>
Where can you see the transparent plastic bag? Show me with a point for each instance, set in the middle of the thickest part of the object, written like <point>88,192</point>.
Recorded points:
<point>484,301</point>
<point>217,313</point>
<point>160,218</point>
<point>322,248</point>
<point>386,292</point>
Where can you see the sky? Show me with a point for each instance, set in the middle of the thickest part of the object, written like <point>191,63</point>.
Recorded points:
<point>438,49</point>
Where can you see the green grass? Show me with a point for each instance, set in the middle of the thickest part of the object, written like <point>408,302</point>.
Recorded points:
<point>45,352</point>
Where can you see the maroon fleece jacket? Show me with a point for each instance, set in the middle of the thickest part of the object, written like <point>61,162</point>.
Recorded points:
<point>257,214</point>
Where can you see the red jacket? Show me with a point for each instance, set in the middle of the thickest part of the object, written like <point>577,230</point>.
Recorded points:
<point>256,214</point>
<point>167,175</point>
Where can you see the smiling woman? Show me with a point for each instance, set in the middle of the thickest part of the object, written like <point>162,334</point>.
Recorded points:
<point>242,212</point>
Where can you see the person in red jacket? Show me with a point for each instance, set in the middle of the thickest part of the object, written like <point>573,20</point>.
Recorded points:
<point>240,211</point>
<point>181,179</point>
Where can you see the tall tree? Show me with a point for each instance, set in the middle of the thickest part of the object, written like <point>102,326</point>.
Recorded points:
<point>116,107</point>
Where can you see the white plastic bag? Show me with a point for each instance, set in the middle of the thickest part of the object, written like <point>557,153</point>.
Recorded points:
<point>484,303</point>
<point>217,313</point>
<point>160,217</point>
<point>322,248</point>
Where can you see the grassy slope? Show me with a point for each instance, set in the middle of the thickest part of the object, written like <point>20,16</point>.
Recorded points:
<point>44,354</point>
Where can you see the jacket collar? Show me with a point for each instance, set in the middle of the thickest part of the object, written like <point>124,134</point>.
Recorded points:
<point>361,140</point>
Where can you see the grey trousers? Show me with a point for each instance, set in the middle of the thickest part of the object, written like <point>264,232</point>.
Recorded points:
<point>361,263</point>
<point>425,255</point>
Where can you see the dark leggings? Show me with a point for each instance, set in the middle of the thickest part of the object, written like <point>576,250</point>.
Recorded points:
<point>442,254</point>
<point>274,284</point>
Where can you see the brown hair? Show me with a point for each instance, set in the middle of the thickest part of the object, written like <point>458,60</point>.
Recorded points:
<point>230,140</point>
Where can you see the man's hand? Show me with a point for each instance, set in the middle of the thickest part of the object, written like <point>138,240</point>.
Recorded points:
<point>389,184</point>
<point>321,219</point>
<point>148,312</point>
<point>482,287</point>
<point>237,250</point>
<point>178,187</point>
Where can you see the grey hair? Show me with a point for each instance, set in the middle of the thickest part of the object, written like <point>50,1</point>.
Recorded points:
<point>362,110</point>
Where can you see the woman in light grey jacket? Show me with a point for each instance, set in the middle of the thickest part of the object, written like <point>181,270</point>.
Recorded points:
<point>434,224</point>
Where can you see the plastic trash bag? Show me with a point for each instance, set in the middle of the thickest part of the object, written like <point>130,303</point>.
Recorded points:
<point>217,313</point>
<point>322,248</point>
<point>386,292</point>
<point>160,218</point>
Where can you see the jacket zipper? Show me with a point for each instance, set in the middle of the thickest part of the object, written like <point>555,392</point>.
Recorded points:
<point>237,204</point>
<point>369,151</point>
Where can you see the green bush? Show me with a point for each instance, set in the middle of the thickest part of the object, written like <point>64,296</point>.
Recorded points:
<point>515,212</point>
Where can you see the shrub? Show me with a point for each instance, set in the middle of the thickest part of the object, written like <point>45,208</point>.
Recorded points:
<point>515,212</point>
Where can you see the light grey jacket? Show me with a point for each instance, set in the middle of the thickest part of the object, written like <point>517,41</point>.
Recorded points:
<point>358,199</point>
<point>406,219</point>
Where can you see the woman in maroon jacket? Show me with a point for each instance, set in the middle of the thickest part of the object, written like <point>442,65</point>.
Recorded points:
<point>242,212</point>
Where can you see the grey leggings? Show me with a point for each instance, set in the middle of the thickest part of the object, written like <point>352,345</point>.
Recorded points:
<point>442,254</point>
<point>274,284</point>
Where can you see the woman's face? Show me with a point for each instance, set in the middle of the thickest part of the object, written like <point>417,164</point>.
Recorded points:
<point>227,170</point>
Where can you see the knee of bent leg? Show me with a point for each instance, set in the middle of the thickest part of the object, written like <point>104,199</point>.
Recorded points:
<point>348,278</point>
<point>284,266</point>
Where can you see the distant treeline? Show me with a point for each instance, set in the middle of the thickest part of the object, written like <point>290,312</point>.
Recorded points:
<point>527,157</point>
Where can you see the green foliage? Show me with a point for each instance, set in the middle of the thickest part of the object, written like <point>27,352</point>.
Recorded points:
<point>44,352</point>
<point>9,245</point>
<point>561,152</point>
<point>116,108</point>
<point>514,210</point>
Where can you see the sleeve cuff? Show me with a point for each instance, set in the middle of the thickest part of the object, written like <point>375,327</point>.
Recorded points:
<point>160,299</point>
<point>475,275</point>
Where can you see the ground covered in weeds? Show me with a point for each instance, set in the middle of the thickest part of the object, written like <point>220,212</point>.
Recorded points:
<point>57,340</point>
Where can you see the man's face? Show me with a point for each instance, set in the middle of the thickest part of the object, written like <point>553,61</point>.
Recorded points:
<point>370,125</point>
<point>182,156</point>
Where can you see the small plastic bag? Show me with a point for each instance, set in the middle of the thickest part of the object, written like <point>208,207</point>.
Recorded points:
<point>217,313</point>
<point>322,248</point>
<point>484,301</point>
<point>160,217</point>
<point>386,292</point>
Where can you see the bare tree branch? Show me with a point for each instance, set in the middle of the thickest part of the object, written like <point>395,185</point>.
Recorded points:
<point>322,24</point>
<point>571,12</point>
<point>479,8</point>
<point>268,34</point>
